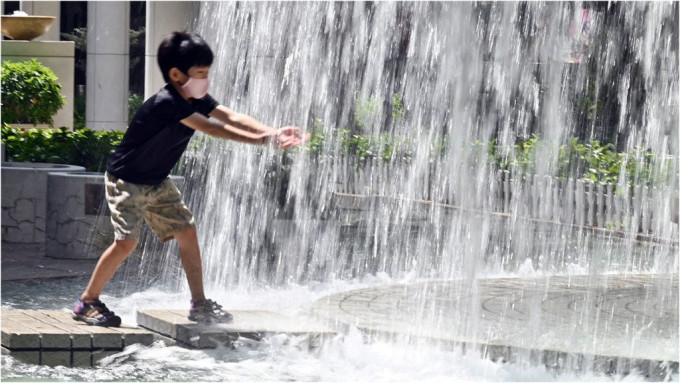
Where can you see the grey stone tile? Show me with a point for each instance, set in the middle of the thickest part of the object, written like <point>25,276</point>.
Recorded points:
<point>82,359</point>
<point>55,358</point>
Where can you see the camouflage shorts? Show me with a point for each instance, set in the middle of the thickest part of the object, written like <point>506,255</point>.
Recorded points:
<point>160,205</point>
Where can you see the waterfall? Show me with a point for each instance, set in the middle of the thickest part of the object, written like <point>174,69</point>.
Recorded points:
<point>416,108</point>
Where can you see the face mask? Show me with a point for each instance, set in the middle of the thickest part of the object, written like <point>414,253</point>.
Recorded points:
<point>196,87</point>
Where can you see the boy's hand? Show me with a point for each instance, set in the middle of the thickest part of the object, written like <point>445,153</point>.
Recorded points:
<point>290,136</point>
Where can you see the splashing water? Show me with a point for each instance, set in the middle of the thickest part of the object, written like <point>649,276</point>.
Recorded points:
<point>414,173</point>
<point>345,357</point>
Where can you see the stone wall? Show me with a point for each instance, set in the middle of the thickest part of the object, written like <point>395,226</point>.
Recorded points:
<point>24,200</point>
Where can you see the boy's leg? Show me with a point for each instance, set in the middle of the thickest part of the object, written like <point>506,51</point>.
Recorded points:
<point>202,310</point>
<point>169,218</point>
<point>191,262</point>
<point>127,205</point>
<point>107,265</point>
<point>89,308</point>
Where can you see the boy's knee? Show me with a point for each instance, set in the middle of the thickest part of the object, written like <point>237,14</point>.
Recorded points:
<point>189,234</point>
<point>187,239</point>
<point>125,245</point>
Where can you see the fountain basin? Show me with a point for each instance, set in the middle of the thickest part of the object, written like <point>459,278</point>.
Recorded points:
<point>26,27</point>
<point>24,199</point>
<point>529,319</point>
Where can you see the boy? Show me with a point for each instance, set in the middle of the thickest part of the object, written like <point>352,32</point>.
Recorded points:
<point>137,183</point>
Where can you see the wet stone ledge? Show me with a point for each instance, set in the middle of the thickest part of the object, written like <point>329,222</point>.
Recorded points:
<point>250,324</point>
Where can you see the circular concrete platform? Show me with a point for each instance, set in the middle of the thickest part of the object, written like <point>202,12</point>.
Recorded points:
<point>612,319</point>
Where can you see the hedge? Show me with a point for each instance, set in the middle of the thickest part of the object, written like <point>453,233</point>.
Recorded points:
<point>590,161</point>
<point>83,147</point>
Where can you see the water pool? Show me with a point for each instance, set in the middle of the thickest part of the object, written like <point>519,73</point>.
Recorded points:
<point>346,357</point>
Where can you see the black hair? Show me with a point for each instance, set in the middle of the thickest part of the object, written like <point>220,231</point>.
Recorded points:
<point>182,50</point>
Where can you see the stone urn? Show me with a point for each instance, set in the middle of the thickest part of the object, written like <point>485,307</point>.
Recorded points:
<point>19,27</point>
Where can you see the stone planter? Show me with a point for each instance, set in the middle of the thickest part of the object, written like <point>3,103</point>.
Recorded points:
<point>78,217</point>
<point>24,199</point>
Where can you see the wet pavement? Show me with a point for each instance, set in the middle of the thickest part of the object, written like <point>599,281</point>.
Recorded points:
<point>21,261</point>
<point>617,322</point>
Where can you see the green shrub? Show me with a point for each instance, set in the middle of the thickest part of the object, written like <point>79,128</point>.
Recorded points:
<point>366,111</point>
<point>83,147</point>
<point>135,102</point>
<point>30,93</point>
<point>79,110</point>
<point>590,161</point>
<point>398,108</point>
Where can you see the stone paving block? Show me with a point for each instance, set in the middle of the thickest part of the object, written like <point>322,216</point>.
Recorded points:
<point>53,338</point>
<point>189,332</point>
<point>59,315</point>
<point>133,335</point>
<point>156,324</point>
<point>50,336</point>
<point>167,341</point>
<point>145,338</point>
<point>77,331</point>
<point>199,337</point>
<point>15,336</point>
<point>13,314</point>
<point>105,338</point>
<point>81,340</point>
<point>162,321</point>
<point>42,316</point>
<point>30,357</point>
<point>101,337</point>
<point>247,323</point>
<point>55,358</point>
<point>82,359</point>
<point>179,316</point>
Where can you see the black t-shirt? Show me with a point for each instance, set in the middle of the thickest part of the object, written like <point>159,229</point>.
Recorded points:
<point>155,139</point>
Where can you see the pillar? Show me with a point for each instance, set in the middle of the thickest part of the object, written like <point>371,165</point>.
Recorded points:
<point>108,62</point>
<point>163,17</point>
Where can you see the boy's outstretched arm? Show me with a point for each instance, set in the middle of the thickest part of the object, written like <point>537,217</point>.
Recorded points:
<point>239,120</point>
<point>242,128</point>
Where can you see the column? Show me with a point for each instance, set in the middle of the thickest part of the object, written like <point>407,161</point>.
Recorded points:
<point>108,62</point>
<point>163,17</point>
